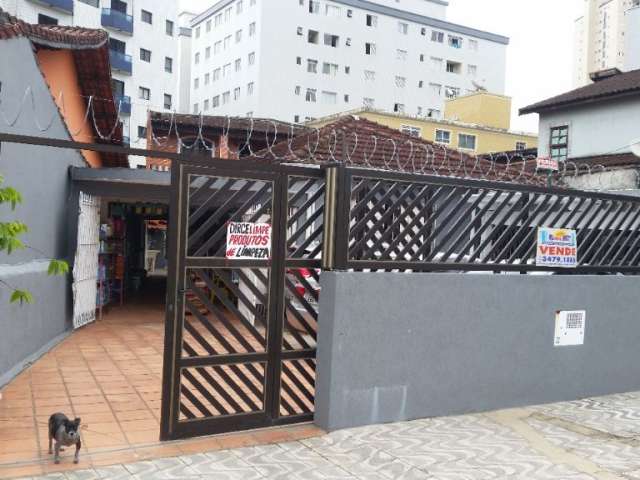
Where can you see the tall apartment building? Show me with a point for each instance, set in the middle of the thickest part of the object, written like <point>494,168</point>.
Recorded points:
<point>602,38</point>
<point>145,43</point>
<point>294,60</point>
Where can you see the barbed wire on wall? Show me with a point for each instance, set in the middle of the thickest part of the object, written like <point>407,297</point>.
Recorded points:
<point>338,142</point>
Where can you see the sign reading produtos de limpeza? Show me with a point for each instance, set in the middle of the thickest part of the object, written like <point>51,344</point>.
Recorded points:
<point>557,247</point>
<point>246,240</point>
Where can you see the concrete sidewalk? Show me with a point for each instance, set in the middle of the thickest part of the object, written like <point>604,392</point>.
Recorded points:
<point>595,438</point>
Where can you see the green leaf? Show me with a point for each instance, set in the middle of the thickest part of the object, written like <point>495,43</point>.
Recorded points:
<point>58,267</point>
<point>21,296</point>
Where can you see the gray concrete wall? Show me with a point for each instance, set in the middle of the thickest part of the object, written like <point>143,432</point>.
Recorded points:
<point>49,209</point>
<point>398,346</point>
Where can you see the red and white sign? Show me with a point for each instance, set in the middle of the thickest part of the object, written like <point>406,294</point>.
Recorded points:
<point>547,163</point>
<point>246,240</point>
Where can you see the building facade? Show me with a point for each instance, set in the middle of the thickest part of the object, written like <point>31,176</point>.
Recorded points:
<point>297,60</point>
<point>478,123</point>
<point>144,43</point>
<point>602,37</point>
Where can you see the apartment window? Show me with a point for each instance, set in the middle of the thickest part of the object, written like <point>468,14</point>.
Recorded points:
<point>369,75</point>
<point>216,74</point>
<point>144,93</point>
<point>207,52</point>
<point>436,63</point>
<point>398,107</point>
<point>226,97</point>
<point>347,69</point>
<point>207,78</point>
<point>198,32</point>
<point>473,45</point>
<point>296,118</point>
<point>119,6</point>
<point>451,92</point>
<point>401,82</point>
<point>167,101</point>
<point>420,83</point>
<point>146,17</point>
<point>314,6</point>
<point>422,57</point>
<point>403,28</point>
<point>145,55</point>
<point>411,130</point>
<point>197,58</point>
<point>311,95</point>
<point>313,36</point>
<point>236,93</point>
<point>312,66</point>
<point>560,142</point>
<point>370,48</point>
<point>215,101</point>
<point>433,113</point>
<point>207,26</point>
<point>520,146</point>
<point>298,60</point>
<point>238,64</point>
<point>142,132</point>
<point>368,102</point>
<point>332,11</point>
<point>168,28</point>
<point>349,13</point>
<point>437,37</point>
<point>252,58</point>
<point>300,31</point>
<point>196,108</point>
<point>346,98</point>
<point>227,15</point>
<point>466,141</point>
<point>205,105</point>
<point>217,20</point>
<point>330,69</point>
<point>217,47</point>
<point>297,90</point>
<point>423,31</point>
<point>226,70</point>
<point>443,136</point>
<point>436,89</point>
<point>238,36</point>
<point>401,54</point>
<point>252,29</point>
<point>347,42</point>
<point>196,83</point>
<point>239,7</point>
<point>331,40</point>
<point>455,42</point>
<point>47,20</point>
<point>250,87</point>
<point>168,64</point>
<point>227,42</point>
<point>329,98</point>
<point>372,21</point>
<point>454,67</point>
<point>472,70</point>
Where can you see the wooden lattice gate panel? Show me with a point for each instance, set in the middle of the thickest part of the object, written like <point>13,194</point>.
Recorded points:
<point>241,334</point>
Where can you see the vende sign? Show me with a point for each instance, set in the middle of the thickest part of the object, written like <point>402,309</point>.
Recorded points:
<point>547,163</point>
<point>557,247</point>
<point>246,240</point>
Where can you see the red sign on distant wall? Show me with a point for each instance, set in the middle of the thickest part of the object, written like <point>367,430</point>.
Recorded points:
<point>547,163</point>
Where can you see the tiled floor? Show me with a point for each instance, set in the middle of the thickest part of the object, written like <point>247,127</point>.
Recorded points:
<point>109,374</point>
<point>593,439</point>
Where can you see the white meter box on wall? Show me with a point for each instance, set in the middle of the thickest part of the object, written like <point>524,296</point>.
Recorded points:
<point>570,326</point>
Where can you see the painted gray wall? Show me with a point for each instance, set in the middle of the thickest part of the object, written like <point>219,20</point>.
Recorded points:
<point>49,209</point>
<point>396,346</point>
<point>632,39</point>
<point>615,121</point>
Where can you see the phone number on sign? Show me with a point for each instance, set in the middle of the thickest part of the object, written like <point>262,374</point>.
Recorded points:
<point>556,260</point>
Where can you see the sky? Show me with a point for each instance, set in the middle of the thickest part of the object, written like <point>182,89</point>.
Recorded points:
<point>539,57</point>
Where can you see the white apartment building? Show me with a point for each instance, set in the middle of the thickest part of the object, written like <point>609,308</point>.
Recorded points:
<point>601,39</point>
<point>145,44</point>
<point>295,60</point>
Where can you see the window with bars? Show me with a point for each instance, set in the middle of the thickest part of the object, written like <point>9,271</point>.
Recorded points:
<point>559,147</point>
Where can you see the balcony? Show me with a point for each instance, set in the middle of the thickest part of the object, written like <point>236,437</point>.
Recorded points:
<point>124,102</point>
<point>117,20</point>
<point>64,6</point>
<point>121,62</point>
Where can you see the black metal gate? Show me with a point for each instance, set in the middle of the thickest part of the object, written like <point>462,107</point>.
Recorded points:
<point>240,337</point>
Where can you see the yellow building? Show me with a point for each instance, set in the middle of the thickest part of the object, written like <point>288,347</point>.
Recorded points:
<point>479,122</point>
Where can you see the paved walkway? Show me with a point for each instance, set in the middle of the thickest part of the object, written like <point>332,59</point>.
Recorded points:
<point>592,439</point>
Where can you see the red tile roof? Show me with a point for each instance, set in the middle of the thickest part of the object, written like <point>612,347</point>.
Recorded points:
<point>90,49</point>
<point>370,144</point>
<point>615,86</point>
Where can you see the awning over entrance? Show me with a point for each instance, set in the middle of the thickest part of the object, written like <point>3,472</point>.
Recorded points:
<point>123,183</point>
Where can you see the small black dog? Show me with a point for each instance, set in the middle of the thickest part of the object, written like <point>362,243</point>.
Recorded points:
<point>66,433</point>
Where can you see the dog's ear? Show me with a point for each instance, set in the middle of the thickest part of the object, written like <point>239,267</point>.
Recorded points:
<point>76,422</point>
